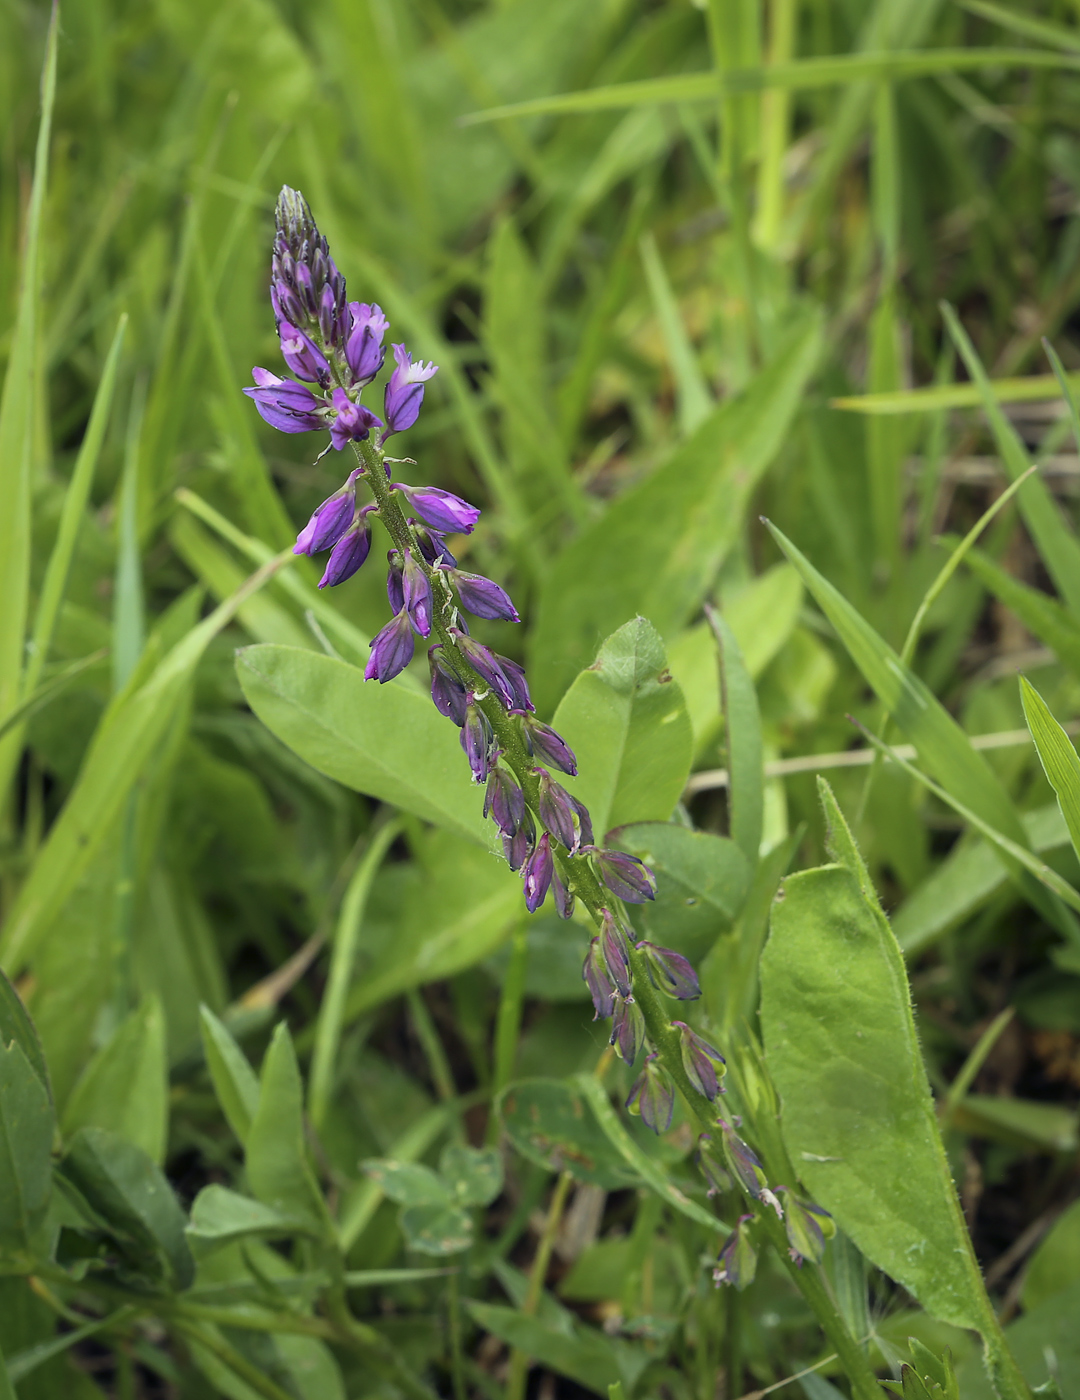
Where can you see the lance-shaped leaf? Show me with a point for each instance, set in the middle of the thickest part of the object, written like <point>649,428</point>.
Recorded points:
<point>1057,755</point>
<point>26,1131</point>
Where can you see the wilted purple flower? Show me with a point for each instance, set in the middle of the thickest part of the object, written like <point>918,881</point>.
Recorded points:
<point>598,980</point>
<point>364,348</point>
<point>349,553</point>
<point>807,1227</point>
<point>543,743</point>
<point>536,873</point>
<point>476,739</point>
<point>559,812</point>
<point>284,404</point>
<point>405,394</point>
<point>302,355</point>
<point>482,597</point>
<point>743,1160</point>
<point>626,876</point>
<point>718,1179</point>
<point>416,588</point>
<point>329,521</point>
<point>519,847</point>
<point>391,650</point>
<point>353,423</point>
<point>700,1060</point>
<point>447,692</point>
<point>627,1029</point>
<point>504,800</point>
<point>737,1261</point>
<point>670,972</point>
<point>564,900</point>
<point>485,664</point>
<point>442,510</point>
<point>653,1096</point>
<point>521,700</point>
<point>616,954</point>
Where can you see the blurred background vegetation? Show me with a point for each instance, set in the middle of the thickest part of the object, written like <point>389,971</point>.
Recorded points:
<point>591,283</point>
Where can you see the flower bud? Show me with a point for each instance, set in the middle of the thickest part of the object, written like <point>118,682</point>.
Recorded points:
<point>329,521</point>
<point>447,692</point>
<point>616,954</point>
<point>670,972</point>
<point>504,800</point>
<point>520,699</point>
<point>598,980</point>
<point>353,422</point>
<point>302,355</point>
<point>485,664</point>
<point>744,1163</point>
<point>442,510</point>
<point>416,588</point>
<point>627,1029</point>
<point>348,554</point>
<point>717,1177</point>
<point>625,876</point>
<point>807,1226</point>
<point>518,848</point>
<point>561,813</point>
<point>544,744</point>
<point>482,597</point>
<point>653,1096</point>
<point>476,740</point>
<point>700,1061</point>
<point>737,1261</point>
<point>564,900</point>
<point>537,872</point>
<point>391,650</point>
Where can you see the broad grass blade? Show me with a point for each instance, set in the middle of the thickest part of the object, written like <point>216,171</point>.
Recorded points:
<point>1057,755</point>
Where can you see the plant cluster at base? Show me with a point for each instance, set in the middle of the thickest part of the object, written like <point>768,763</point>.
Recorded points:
<point>336,348</point>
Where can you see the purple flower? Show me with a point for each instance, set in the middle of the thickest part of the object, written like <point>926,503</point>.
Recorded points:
<point>718,1179</point>
<point>476,740</point>
<point>395,580</point>
<point>653,1096</point>
<point>616,954</point>
<point>670,972</point>
<point>519,686</point>
<point>442,510</point>
<point>482,597</point>
<point>543,743</point>
<point>416,589</point>
<point>405,394</point>
<point>519,847</point>
<point>348,554</point>
<point>485,664</point>
<point>432,546</point>
<point>504,800</point>
<point>391,650</point>
<point>598,980</point>
<point>625,876</point>
<point>364,348</point>
<point>737,1261</point>
<point>329,521</point>
<point>700,1060</point>
<point>537,872</point>
<point>447,692</point>
<point>564,816</point>
<point>564,900</point>
<point>302,355</point>
<point>353,423</point>
<point>627,1029</point>
<point>743,1161</point>
<point>284,404</point>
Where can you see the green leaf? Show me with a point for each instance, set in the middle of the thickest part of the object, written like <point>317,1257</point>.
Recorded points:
<point>275,1153</point>
<point>384,740</point>
<point>234,1080</point>
<point>436,1228</point>
<point>1047,1331</point>
<point>408,1183</point>
<point>7,1390</point>
<point>742,738</point>
<point>692,395</point>
<point>625,720</point>
<point>27,1123</point>
<point>1045,616</point>
<point>220,1216</point>
<point>1019,1123</point>
<point>474,1176</point>
<point>857,1114</point>
<point>1057,755</point>
<point>17,1028</point>
<point>701,883</point>
<point>128,1195</point>
<point>1055,1265</point>
<point>549,1122</point>
<point>125,1086</point>
<point>657,548</point>
<point>583,1354</point>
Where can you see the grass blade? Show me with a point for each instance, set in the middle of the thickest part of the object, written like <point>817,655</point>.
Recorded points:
<point>49,691</point>
<point>1032,388</point>
<point>1057,756</point>
<point>691,392</point>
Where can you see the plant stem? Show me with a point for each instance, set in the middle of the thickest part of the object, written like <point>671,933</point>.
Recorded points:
<point>519,1362</point>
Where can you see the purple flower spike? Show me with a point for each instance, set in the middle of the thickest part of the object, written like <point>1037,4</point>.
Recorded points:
<point>302,355</point>
<point>447,692</point>
<point>329,521</point>
<point>417,591</point>
<point>743,1161</point>
<point>597,979</point>
<point>670,972</point>
<point>483,598</point>
<point>518,848</point>
<point>405,394</point>
<point>627,1029</point>
<point>476,740</point>
<point>305,284</point>
<point>700,1060</point>
<point>549,747</point>
<point>537,872</point>
<point>653,1096</point>
<point>284,404</point>
<point>616,954</point>
<point>625,876</point>
<point>353,423</point>
<point>504,800</point>
<point>348,554</point>
<point>442,510</point>
<point>364,348</point>
<point>564,900</point>
<point>391,650</point>
<point>485,664</point>
<point>737,1261</point>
